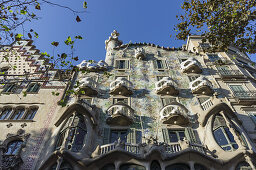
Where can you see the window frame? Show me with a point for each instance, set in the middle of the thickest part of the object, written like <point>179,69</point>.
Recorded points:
<point>126,64</point>
<point>31,109</point>
<point>9,90</point>
<point>8,115</point>
<point>17,111</point>
<point>18,144</point>
<point>163,63</point>
<point>164,103</point>
<point>193,77</point>
<point>32,86</point>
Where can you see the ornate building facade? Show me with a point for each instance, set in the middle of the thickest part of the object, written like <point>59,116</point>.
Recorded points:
<point>145,107</point>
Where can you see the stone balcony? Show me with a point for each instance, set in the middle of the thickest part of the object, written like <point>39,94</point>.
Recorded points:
<point>245,97</point>
<point>93,65</point>
<point>166,86</point>
<point>140,53</point>
<point>120,114</point>
<point>121,86</point>
<point>191,65</point>
<point>174,114</point>
<point>201,85</point>
<point>143,149</point>
<point>230,74</point>
<point>10,162</point>
<point>87,87</point>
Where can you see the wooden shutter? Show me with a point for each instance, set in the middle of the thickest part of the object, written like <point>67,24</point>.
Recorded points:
<point>106,135</point>
<point>117,63</point>
<point>127,64</point>
<point>165,135</point>
<point>155,64</point>
<point>190,135</point>
<point>131,137</point>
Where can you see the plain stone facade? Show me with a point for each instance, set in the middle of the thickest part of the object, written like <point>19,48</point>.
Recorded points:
<point>144,107</point>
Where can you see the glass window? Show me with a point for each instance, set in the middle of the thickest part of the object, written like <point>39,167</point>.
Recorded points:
<point>30,114</point>
<point>18,113</point>
<point>177,167</point>
<point>175,136</point>
<point>33,87</point>
<point>243,166</point>
<point>9,88</point>
<point>132,167</point>
<point>122,64</point>
<point>13,147</point>
<point>73,133</point>
<point>5,113</point>
<point>167,101</point>
<point>192,78</point>
<point>116,134</point>
<point>213,57</point>
<point>121,100</point>
<point>222,134</point>
<point>237,88</point>
<point>155,166</point>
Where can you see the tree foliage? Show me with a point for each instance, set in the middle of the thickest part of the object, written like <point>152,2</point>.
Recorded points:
<point>221,22</point>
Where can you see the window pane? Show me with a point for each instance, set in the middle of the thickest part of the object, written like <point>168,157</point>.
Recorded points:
<point>13,147</point>
<point>121,64</point>
<point>123,136</point>
<point>181,135</point>
<point>31,114</point>
<point>79,140</point>
<point>230,135</point>
<point>159,64</point>
<point>114,136</point>
<point>173,136</point>
<point>18,114</point>
<point>220,137</point>
<point>5,113</point>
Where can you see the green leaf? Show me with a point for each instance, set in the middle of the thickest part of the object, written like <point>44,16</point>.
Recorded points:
<point>78,37</point>
<point>68,41</point>
<point>5,28</point>
<point>36,34</point>
<point>23,12</point>
<point>24,94</point>
<point>38,6</point>
<point>85,4</point>
<point>54,43</point>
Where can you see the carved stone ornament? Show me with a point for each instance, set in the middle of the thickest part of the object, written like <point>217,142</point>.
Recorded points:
<point>12,162</point>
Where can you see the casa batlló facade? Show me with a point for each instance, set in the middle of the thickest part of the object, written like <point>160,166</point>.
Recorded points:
<point>145,107</point>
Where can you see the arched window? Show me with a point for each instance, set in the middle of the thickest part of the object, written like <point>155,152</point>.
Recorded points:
<point>155,166</point>
<point>73,133</point>
<point>5,113</point>
<point>108,167</point>
<point>63,166</point>
<point>243,166</point>
<point>132,166</point>
<point>199,167</point>
<point>18,113</point>
<point>178,166</point>
<point>13,147</point>
<point>30,114</point>
<point>222,134</point>
<point>33,88</point>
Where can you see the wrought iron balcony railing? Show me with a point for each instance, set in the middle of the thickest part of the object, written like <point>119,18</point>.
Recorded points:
<point>249,95</point>
<point>230,74</point>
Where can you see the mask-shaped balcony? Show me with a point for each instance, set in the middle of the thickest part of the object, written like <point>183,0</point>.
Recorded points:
<point>87,87</point>
<point>93,65</point>
<point>120,114</point>
<point>191,65</point>
<point>139,53</point>
<point>166,86</point>
<point>201,85</point>
<point>121,86</point>
<point>174,114</point>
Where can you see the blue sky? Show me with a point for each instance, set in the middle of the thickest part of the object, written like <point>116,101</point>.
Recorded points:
<point>135,20</point>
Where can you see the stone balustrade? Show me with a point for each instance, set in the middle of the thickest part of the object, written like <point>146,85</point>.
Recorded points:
<point>191,65</point>
<point>121,86</point>
<point>201,85</point>
<point>93,65</point>
<point>166,86</point>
